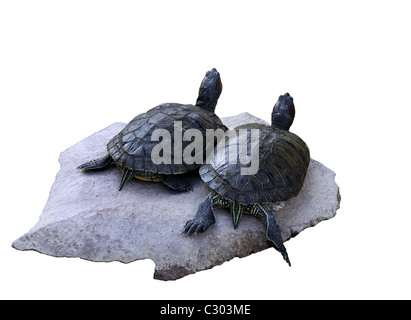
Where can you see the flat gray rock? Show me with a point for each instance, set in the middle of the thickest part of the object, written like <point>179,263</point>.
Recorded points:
<point>86,217</point>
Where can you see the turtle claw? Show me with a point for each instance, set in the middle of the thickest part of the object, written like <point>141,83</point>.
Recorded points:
<point>190,229</point>
<point>196,226</point>
<point>203,220</point>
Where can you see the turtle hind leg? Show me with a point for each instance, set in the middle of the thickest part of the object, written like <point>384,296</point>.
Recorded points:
<point>176,183</point>
<point>203,219</point>
<point>97,164</point>
<point>273,232</point>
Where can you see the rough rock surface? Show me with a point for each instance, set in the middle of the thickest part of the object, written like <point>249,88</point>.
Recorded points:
<point>85,216</point>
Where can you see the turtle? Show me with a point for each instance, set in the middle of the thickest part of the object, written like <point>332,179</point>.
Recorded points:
<point>283,160</point>
<point>131,148</point>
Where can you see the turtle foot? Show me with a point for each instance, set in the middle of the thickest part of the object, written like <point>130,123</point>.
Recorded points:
<point>273,232</point>
<point>203,220</point>
<point>97,164</point>
<point>197,226</point>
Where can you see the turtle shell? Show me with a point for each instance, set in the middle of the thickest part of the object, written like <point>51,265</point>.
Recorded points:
<point>132,146</point>
<point>282,166</point>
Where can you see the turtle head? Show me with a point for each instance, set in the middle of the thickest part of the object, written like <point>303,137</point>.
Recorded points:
<point>210,90</point>
<point>283,112</point>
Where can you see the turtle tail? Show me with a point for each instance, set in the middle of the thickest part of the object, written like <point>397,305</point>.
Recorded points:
<point>126,176</point>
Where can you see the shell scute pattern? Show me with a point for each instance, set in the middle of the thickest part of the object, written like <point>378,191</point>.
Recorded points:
<point>129,136</point>
<point>135,124</point>
<point>132,147</point>
<point>283,162</point>
<point>158,117</point>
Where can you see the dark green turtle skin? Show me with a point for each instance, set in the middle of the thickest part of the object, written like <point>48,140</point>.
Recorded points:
<point>283,162</point>
<point>132,147</point>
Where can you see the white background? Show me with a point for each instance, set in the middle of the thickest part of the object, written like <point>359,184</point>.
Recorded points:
<point>71,68</point>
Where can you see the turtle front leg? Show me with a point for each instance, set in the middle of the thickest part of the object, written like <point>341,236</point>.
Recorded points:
<point>273,233</point>
<point>204,218</point>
